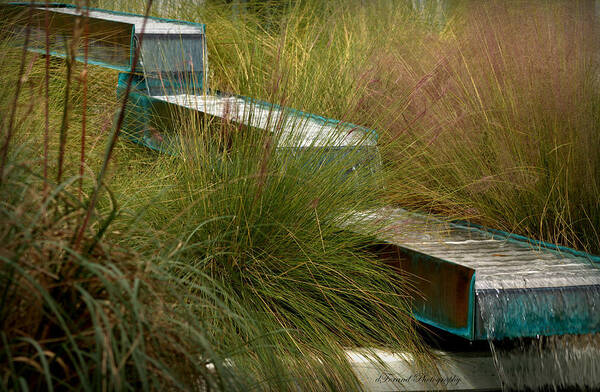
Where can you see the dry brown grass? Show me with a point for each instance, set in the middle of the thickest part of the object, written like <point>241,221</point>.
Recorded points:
<point>496,118</point>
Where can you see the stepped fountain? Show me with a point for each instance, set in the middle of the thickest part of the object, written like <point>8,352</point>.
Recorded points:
<point>536,303</point>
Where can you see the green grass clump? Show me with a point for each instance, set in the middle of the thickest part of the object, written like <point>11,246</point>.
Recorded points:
<point>267,224</point>
<point>77,310</point>
<point>233,252</point>
<point>495,118</point>
<point>487,112</point>
<point>97,318</point>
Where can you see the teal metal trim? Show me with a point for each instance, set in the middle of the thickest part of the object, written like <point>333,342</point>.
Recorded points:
<point>132,49</point>
<point>472,305</point>
<point>462,332</point>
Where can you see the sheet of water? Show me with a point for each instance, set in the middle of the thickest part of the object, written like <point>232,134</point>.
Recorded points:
<point>543,363</point>
<point>519,287</point>
<point>297,129</point>
<point>499,263</point>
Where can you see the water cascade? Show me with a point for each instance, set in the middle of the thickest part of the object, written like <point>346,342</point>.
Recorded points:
<point>552,363</point>
<point>534,302</point>
<point>537,304</point>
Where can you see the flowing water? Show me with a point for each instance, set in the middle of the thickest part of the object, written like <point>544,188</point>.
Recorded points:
<point>538,305</point>
<point>523,293</point>
<point>543,363</point>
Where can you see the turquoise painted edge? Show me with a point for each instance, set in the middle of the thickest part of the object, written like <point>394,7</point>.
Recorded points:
<point>68,5</point>
<point>462,332</point>
<point>517,238</point>
<point>472,299</point>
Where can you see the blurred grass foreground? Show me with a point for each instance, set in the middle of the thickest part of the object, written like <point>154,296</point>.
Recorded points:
<point>225,267</point>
